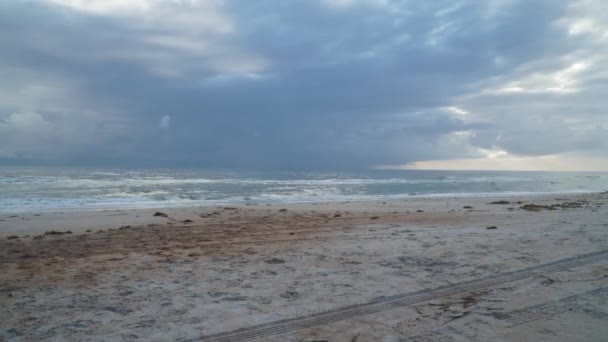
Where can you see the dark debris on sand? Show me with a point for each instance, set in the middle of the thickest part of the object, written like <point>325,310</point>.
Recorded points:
<point>565,205</point>
<point>500,202</point>
<point>54,232</point>
<point>274,261</point>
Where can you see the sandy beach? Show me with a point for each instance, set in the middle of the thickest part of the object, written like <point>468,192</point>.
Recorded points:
<point>424,269</point>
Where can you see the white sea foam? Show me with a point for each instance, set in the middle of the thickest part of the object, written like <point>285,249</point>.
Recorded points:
<point>43,190</point>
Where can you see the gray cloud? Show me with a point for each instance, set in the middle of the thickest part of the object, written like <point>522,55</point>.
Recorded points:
<point>299,84</point>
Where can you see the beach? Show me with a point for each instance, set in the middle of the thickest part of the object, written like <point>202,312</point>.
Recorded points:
<point>303,171</point>
<point>502,268</point>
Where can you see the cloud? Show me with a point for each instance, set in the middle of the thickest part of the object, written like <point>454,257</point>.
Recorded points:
<point>165,122</point>
<point>167,38</point>
<point>300,85</point>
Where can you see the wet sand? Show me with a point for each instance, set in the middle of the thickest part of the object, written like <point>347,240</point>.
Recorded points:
<point>359,271</point>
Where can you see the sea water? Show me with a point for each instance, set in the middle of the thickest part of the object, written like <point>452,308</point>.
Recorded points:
<point>52,189</point>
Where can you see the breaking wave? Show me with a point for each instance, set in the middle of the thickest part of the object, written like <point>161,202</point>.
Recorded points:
<point>36,189</point>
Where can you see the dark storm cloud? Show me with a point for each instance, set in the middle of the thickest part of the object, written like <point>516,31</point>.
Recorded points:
<point>299,84</point>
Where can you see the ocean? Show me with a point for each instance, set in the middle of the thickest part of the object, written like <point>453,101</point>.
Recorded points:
<point>37,189</point>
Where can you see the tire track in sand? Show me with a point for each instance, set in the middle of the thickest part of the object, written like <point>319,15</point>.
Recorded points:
<point>391,302</point>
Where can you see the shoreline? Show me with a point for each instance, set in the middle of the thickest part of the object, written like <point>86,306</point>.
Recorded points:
<point>210,203</point>
<point>78,221</point>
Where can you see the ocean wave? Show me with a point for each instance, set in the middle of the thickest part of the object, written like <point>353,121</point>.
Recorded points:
<point>76,204</point>
<point>35,190</point>
<point>66,182</point>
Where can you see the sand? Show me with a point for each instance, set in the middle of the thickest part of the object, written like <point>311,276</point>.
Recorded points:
<point>402,270</point>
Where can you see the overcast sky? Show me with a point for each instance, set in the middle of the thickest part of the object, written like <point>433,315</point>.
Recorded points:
<point>309,84</point>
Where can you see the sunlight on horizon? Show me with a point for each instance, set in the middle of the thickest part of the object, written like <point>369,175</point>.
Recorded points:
<point>510,163</point>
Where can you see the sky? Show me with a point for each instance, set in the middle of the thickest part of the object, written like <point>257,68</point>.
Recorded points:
<point>305,84</point>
